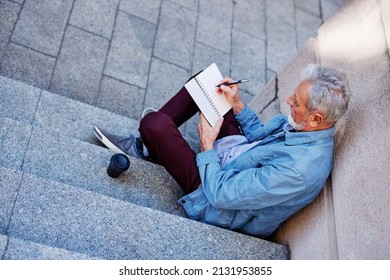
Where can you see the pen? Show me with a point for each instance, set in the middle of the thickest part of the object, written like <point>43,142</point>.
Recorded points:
<point>232,83</point>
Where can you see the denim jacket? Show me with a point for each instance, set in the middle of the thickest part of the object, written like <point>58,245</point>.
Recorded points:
<point>265,185</point>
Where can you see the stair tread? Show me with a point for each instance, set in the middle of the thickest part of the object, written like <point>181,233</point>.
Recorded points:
<point>19,249</point>
<point>84,165</point>
<point>59,215</point>
<point>60,114</point>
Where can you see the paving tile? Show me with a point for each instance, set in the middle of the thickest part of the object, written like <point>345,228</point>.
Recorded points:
<point>18,101</point>
<point>14,139</point>
<point>131,50</point>
<point>249,17</point>
<point>312,6</point>
<point>80,65</point>
<point>205,55</point>
<point>147,10</point>
<point>3,244</point>
<point>270,74</point>
<point>9,12</point>
<point>281,11</point>
<point>190,4</point>
<point>246,96</point>
<point>121,98</point>
<point>32,29</point>
<point>96,16</point>
<point>338,2</point>
<point>281,44</point>
<point>27,65</point>
<point>265,97</point>
<point>190,132</point>
<point>176,35</point>
<point>165,81</point>
<point>211,24</point>
<point>248,61</point>
<point>307,26</point>
<point>9,185</point>
<point>328,9</point>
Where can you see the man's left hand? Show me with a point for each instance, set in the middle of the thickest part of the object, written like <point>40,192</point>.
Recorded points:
<point>207,133</point>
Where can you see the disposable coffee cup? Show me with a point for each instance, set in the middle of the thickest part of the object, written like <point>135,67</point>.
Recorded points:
<point>118,164</point>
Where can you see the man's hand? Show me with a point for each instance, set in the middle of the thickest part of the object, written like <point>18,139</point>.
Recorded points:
<point>232,95</point>
<point>207,133</point>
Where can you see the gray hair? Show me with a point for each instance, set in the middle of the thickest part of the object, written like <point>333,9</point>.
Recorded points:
<point>329,91</point>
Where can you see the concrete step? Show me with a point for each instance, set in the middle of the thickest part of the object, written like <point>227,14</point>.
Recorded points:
<point>97,226</point>
<point>57,113</point>
<point>17,249</point>
<point>81,164</point>
<point>14,248</point>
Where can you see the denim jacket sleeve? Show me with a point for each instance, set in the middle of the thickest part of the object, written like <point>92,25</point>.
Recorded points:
<point>249,189</point>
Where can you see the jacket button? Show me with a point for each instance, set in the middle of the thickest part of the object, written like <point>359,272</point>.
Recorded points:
<point>183,201</point>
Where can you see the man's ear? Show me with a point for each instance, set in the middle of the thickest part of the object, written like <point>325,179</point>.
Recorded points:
<point>316,120</point>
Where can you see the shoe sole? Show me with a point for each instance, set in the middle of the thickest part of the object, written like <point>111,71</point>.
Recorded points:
<point>147,111</point>
<point>106,142</point>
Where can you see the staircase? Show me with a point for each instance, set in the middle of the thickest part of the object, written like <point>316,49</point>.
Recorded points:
<point>57,201</point>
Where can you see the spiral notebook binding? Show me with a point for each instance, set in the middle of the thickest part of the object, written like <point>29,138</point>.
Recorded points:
<point>208,97</point>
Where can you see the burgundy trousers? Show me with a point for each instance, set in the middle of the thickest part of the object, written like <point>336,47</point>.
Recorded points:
<point>166,145</point>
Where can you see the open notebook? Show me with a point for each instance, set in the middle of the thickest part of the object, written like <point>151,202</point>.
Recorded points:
<point>203,91</point>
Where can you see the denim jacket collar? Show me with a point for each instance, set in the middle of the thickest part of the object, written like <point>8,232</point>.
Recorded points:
<point>297,138</point>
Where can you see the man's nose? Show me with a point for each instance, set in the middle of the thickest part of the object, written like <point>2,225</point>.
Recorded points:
<point>288,100</point>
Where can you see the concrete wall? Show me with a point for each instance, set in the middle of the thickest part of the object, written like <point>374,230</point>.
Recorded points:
<point>350,218</point>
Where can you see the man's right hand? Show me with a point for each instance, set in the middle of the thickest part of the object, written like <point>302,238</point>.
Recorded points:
<point>207,133</point>
<point>232,95</point>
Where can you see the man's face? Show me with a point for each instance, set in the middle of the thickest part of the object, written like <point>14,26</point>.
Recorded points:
<point>297,102</point>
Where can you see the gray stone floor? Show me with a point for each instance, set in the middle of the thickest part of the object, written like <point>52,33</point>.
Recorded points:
<point>125,55</point>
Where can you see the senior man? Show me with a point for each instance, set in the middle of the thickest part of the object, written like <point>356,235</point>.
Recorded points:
<point>249,176</point>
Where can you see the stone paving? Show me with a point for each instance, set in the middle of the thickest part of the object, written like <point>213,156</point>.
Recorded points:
<point>125,55</point>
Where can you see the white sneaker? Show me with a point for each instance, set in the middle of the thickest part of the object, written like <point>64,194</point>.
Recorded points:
<point>148,111</point>
<point>144,113</point>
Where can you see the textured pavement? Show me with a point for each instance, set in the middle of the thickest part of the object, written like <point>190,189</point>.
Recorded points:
<point>125,55</point>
